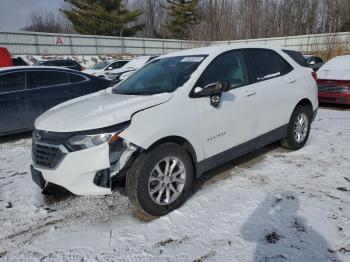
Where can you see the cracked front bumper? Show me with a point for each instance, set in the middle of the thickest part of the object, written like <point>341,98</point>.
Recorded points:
<point>77,170</point>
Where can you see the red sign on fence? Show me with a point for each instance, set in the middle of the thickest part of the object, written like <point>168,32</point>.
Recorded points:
<point>59,41</point>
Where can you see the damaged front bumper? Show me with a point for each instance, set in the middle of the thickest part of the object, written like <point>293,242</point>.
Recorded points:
<point>83,172</point>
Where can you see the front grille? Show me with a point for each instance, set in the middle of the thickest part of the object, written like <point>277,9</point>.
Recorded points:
<point>46,156</point>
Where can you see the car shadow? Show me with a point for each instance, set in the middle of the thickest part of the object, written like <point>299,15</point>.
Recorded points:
<point>280,234</point>
<point>15,137</point>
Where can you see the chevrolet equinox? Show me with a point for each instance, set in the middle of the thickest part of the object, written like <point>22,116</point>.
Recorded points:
<point>175,118</point>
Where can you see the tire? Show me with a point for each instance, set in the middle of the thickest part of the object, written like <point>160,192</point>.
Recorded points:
<point>292,142</point>
<point>144,169</point>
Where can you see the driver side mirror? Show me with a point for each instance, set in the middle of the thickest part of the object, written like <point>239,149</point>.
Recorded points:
<point>109,68</point>
<point>212,89</point>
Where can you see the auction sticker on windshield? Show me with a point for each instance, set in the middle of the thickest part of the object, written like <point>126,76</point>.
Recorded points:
<point>193,59</point>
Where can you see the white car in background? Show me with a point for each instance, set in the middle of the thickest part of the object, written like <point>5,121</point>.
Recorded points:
<point>101,68</point>
<point>127,70</point>
<point>178,116</point>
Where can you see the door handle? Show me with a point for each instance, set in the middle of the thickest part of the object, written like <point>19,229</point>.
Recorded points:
<point>291,80</point>
<point>20,97</point>
<point>250,93</point>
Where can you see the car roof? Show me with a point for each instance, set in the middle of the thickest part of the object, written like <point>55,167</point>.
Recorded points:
<point>217,49</point>
<point>34,67</point>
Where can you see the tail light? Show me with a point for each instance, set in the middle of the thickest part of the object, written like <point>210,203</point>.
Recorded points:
<point>314,75</point>
<point>333,86</point>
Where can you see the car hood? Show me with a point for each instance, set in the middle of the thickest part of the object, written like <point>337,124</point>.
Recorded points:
<point>334,74</point>
<point>98,110</point>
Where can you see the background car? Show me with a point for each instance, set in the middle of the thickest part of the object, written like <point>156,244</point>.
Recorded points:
<point>66,63</point>
<point>100,68</point>
<point>18,61</point>
<point>334,81</point>
<point>314,62</point>
<point>5,57</point>
<point>27,92</point>
<point>122,73</point>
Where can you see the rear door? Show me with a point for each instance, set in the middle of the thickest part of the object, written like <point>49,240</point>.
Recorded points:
<point>13,111</point>
<point>45,89</point>
<point>273,79</point>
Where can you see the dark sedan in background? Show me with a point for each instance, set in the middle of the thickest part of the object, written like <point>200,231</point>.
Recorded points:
<point>27,92</point>
<point>66,63</point>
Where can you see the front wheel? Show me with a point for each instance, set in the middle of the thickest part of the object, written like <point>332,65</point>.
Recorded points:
<point>159,181</point>
<point>298,128</point>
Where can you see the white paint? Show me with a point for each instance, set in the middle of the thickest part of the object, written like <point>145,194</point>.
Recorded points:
<point>227,219</point>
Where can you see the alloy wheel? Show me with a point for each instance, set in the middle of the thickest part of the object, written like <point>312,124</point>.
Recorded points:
<point>167,180</point>
<point>301,127</point>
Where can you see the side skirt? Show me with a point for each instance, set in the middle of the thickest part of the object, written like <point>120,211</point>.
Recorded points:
<point>242,149</point>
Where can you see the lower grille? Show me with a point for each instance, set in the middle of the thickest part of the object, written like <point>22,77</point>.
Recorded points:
<point>46,156</point>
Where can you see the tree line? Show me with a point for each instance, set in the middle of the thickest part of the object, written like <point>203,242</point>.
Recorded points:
<point>206,20</point>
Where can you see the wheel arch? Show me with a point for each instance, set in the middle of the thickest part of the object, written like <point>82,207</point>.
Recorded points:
<point>305,102</point>
<point>183,143</point>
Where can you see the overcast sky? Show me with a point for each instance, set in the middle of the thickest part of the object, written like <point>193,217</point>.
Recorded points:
<point>14,13</point>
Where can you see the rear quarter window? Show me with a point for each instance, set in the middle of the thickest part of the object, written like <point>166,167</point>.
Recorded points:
<point>11,82</point>
<point>75,78</point>
<point>297,57</point>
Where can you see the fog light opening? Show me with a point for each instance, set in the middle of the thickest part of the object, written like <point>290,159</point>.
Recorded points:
<point>103,178</point>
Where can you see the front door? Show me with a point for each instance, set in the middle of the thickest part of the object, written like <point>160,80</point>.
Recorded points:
<point>235,120</point>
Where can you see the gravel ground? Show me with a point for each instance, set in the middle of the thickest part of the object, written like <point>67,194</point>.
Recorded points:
<point>271,205</point>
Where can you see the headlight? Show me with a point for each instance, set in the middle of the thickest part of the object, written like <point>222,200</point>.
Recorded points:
<point>123,76</point>
<point>82,141</point>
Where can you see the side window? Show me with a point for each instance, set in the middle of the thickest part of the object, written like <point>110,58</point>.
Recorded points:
<point>49,78</point>
<point>12,82</point>
<point>69,63</point>
<point>297,57</point>
<point>229,67</point>
<point>75,78</point>
<point>118,64</point>
<point>267,64</point>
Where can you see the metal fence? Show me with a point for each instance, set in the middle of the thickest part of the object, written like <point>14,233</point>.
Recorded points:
<point>304,43</point>
<point>27,43</point>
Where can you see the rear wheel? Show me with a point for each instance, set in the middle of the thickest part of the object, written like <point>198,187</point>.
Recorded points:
<point>159,181</point>
<point>298,128</point>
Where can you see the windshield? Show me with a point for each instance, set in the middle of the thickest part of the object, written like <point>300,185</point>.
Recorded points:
<point>160,76</point>
<point>101,65</point>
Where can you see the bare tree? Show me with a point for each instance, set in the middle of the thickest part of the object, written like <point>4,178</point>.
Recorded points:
<point>48,22</point>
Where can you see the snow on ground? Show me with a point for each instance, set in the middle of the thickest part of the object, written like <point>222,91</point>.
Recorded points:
<point>272,205</point>
<point>84,60</point>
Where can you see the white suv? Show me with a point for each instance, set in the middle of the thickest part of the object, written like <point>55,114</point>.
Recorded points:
<point>179,116</point>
